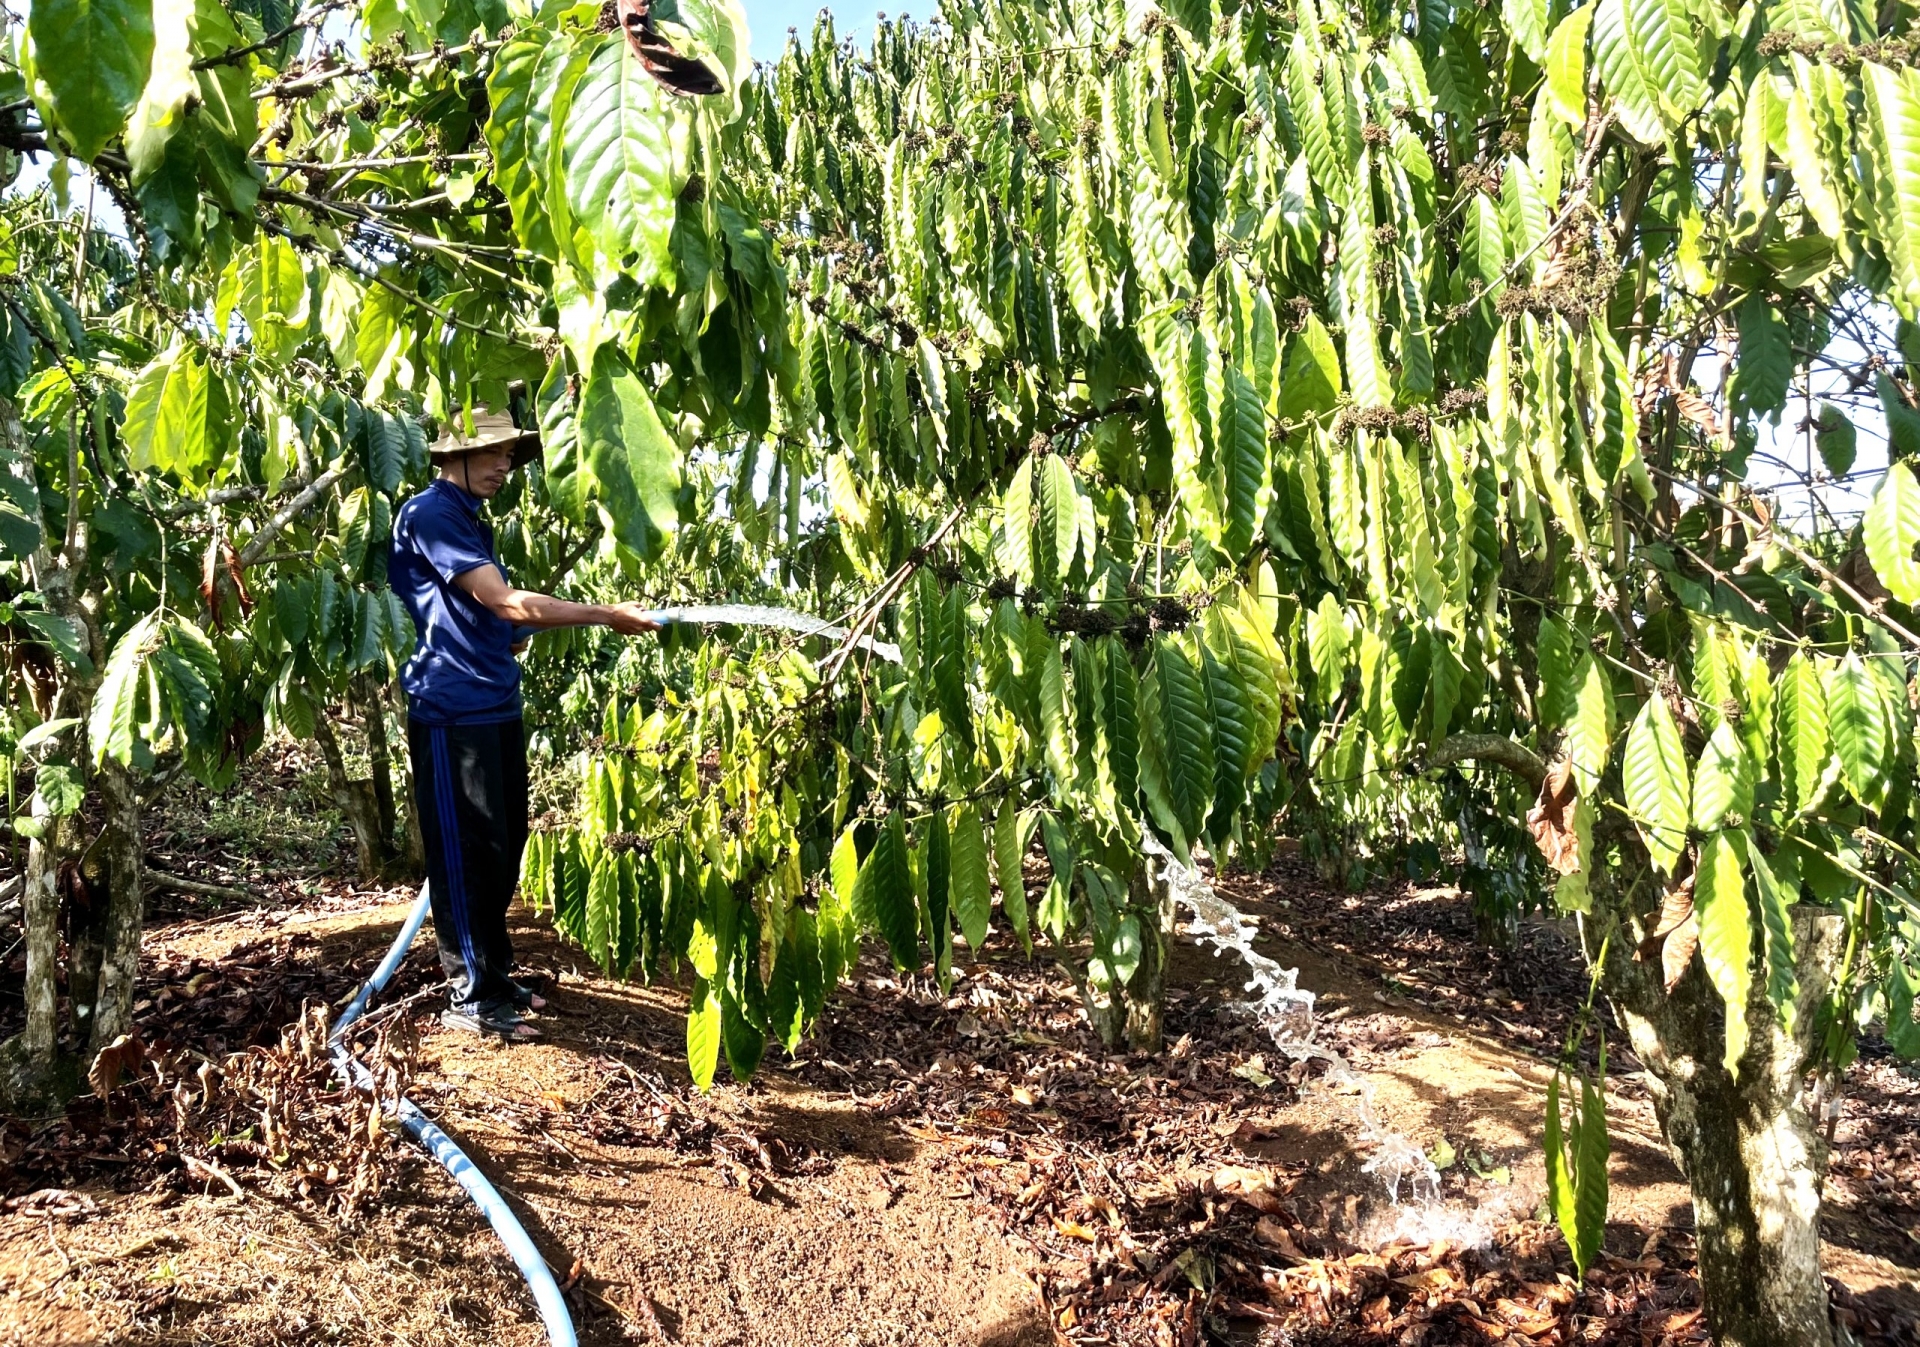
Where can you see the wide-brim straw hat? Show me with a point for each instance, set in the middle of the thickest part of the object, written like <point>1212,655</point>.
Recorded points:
<point>491,430</point>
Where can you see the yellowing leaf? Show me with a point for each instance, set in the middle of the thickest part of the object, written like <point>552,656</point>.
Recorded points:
<point>1726,933</point>
<point>1891,526</point>
<point>1654,774</point>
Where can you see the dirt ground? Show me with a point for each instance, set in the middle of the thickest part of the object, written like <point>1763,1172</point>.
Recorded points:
<point>966,1169</point>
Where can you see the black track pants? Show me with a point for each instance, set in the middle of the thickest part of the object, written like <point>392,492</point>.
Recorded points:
<point>470,782</point>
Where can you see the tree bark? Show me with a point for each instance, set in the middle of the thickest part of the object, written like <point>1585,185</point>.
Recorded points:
<point>373,711</point>
<point>1752,1154</point>
<point>125,914</point>
<point>1133,1016</point>
<point>40,916</point>
<point>356,801</point>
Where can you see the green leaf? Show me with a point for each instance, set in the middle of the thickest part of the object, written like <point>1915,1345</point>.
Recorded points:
<point>59,789</point>
<point>1621,75</point>
<point>1310,382</point>
<point>634,462</point>
<point>1010,836</point>
<point>518,133</point>
<point>622,174</point>
<point>1893,102</point>
<point>1527,23</point>
<point>161,110</point>
<point>1016,525</point>
<point>811,971</point>
<point>1120,724</point>
<point>93,56</point>
<point>1179,355</point>
<point>1243,458</point>
<point>745,1042</point>
<point>1661,35</point>
<point>1186,734</point>
<point>1056,522</point>
<point>1726,933</point>
<point>1776,895</point>
<point>972,894</point>
<point>166,426</point>
<point>937,867</point>
<point>1800,733</point>
<point>1589,741</point>
<point>1723,787</point>
<point>1566,66</point>
<point>1654,775</point>
<point>1891,526</point>
<point>703,1034</point>
<point>1836,440</point>
<point>1561,1197</point>
<point>1327,646</point>
<point>64,634</point>
<point>1553,657</point>
<point>843,873</point>
<point>1765,364</point>
<point>1591,1148</point>
<point>885,888</point>
<point>1857,722</point>
<point>385,448</point>
<point>603,910</point>
<point>1233,738</point>
<point>1043,654</point>
<point>110,724</point>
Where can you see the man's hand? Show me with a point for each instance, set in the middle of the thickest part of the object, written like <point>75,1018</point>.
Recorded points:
<point>524,608</point>
<point>630,619</point>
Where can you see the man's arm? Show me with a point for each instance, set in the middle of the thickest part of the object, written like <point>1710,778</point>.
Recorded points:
<point>525,608</point>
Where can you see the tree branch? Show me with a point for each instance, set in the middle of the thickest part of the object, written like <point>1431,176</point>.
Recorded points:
<point>257,545</point>
<point>1511,754</point>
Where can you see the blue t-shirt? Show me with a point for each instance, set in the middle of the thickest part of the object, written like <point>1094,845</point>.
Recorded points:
<point>463,671</point>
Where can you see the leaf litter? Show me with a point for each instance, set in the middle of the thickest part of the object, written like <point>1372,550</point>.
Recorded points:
<point>1182,1199</point>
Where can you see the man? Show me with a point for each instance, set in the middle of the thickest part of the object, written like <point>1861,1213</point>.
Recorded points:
<point>463,710</point>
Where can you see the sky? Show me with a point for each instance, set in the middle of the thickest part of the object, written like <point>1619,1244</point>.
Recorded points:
<point>768,21</point>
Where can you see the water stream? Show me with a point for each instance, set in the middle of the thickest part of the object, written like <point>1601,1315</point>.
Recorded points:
<point>765,615</point>
<point>1286,1011</point>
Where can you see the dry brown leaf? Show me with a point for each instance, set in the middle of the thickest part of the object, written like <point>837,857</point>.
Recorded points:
<point>1551,819</point>
<point>1255,1187</point>
<point>123,1055</point>
<point>1675,907</point>
<point>1558,1294</point>
<point>1433,1279</point>
<point>1074,1230</point>
<point>1530,1321</point>
<point>681,74</point>
<point>1677,951</point>
<point>1276,1236</point>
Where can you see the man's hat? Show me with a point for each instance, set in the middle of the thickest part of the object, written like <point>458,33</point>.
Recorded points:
<point>491,430</point>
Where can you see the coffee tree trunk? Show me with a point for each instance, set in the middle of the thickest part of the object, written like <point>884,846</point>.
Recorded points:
<point>119,925</point>
<point>1752,1154</point>
<point>358,803</point>
<point>30,1060</point>
<point>1133,1016</point>
<point>372,704</point>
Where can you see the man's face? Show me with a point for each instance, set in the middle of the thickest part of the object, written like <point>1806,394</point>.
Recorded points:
<point>482,473</point>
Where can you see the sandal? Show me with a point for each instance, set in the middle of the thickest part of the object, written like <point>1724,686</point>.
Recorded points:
<point>502,1023</point>
<point>526,998</point>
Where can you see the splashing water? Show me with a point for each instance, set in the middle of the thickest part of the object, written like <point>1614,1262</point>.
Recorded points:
<point>764,615</point>
<point>1286,1011</point>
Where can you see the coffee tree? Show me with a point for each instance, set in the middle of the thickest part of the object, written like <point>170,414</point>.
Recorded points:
<point>1456,329</point>
<point>1223,409</point>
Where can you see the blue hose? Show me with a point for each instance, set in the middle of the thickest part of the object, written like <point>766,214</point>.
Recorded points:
<point>352,1072</point>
